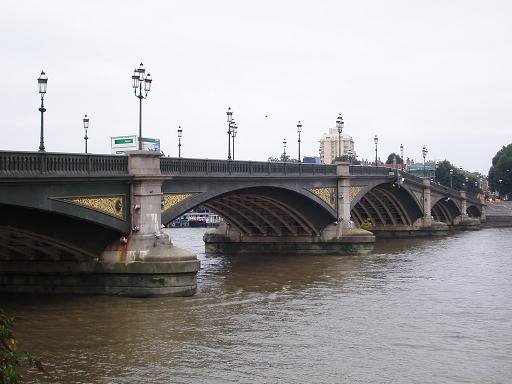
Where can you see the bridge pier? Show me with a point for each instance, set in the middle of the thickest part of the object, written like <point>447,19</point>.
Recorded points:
<point>147,256</point>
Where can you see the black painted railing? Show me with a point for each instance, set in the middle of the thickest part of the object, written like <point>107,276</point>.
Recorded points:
<point>366,170</point>
<point>56,164</point>
<point>207,167</point>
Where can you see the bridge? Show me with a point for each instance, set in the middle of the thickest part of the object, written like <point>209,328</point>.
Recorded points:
<point>89,223</point>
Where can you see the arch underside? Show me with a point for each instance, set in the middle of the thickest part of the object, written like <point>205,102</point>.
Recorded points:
<point>16,244</point>
<point>32,234</point>
<point>386,205</point>
<point>262,216</point>
<point>473,211</point>
<point>445,210</point>
<point>269,212</point>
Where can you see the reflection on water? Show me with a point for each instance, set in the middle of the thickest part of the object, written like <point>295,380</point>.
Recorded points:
<point>425,311</point>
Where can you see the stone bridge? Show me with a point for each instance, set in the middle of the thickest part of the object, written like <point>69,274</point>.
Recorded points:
<point>92,223</point>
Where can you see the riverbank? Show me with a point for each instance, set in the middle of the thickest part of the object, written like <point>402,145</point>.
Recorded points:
<point>498,214</point>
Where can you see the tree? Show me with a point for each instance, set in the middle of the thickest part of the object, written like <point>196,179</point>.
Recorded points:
<point>501,169</point>
<point>283,158</point>
<point>457,180</point>
<point>11,360</point>
<point>392,155</point>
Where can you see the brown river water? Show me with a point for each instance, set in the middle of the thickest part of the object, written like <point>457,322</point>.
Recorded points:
<point>413,311</point>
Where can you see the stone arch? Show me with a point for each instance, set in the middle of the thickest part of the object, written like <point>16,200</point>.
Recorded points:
<point>474,211</point>
<point>262,210</point>
<point>385,204</point>
<point>445,210</point>
<point>39,235</point>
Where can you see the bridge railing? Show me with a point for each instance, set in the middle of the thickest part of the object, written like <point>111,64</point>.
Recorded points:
<point>207,167</point>
<point>48,164</point>
<point>365,170</point>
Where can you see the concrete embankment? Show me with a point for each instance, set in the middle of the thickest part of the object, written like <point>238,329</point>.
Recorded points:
<point>498,214</point>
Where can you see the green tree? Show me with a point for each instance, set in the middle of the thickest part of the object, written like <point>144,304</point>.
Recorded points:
<point>13,361</point>
<point>501,169</point>
<point>399,160</point>
<point>283,158</point>
<point>457,179</point>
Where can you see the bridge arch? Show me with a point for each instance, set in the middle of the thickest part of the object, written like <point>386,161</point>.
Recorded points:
<point>263,210</point>
<point>445,210</point>
<point>385,204</point>
<point>474,211</point>
<point>38,235</point>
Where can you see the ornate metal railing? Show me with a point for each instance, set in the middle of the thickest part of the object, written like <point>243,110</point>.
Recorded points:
<point>365,170</point>
<point>207,167</point>
<point>56,164</point>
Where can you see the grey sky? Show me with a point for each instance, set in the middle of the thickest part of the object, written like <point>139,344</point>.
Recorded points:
<point>434,73</point>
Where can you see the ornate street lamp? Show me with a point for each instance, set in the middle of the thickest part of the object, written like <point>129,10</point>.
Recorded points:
<point>339,126</point>
<point>284,149</point>
<point>180,133</point>
<point>376,141</point>
<point>86,125</point>
<point>424,151</point>
<point>229,114</point>
<point>141,92</point>
<point>299,130</point>
<point>466,183</point>
<point>42,83</point>
<point>234,130</point>
<point>402,155</point>
<point>451,178</point>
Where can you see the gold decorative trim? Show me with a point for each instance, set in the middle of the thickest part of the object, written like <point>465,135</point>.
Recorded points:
<point>419,197</point>
<point>111,205</point>
<point>171,199</point>
<point>354,191</point>
<point>327,194</point>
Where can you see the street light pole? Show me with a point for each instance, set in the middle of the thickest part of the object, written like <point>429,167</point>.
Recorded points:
<point>451,178</point>
<point>424,151</point>
<point>339,126</point>
<point>376,141</point>
<point>299,130</point>
<point>284,149</point>
<point>402,155</point>
<point>233,133</point>
<point>229,114</point>
<point>86,125</point>
<point>42,83</point>
<point>139,77</point>
<point>180,133</point>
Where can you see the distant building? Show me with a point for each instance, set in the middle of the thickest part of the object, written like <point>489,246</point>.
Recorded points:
<point>311,160</point>
<point>329,146</point>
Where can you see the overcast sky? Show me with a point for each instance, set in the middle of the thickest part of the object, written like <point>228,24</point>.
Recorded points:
<point>434,73</point>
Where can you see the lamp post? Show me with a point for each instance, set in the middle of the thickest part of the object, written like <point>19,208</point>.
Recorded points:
<point>451,178</point>
<point>339,126</point>
<point>284,149</point>
<point>424,151</point>
<point>402,155</point>
<point>299,130</point>
<point>42,83</point>
<point>229,114</point>
<point>350,153</point>
<point>139,77</point>
<point>180,133</point>
<point>86,125</point>
<point>376,141</point>
<point>234,130</point>
<point>466,184</point>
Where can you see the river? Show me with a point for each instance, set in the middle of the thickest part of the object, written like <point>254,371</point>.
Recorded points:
<point>413,311</point>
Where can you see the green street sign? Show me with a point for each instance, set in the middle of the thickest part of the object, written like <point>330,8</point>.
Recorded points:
<point>124,141</point>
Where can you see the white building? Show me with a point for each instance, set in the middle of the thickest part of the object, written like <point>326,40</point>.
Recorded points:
<point>329,147</point>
